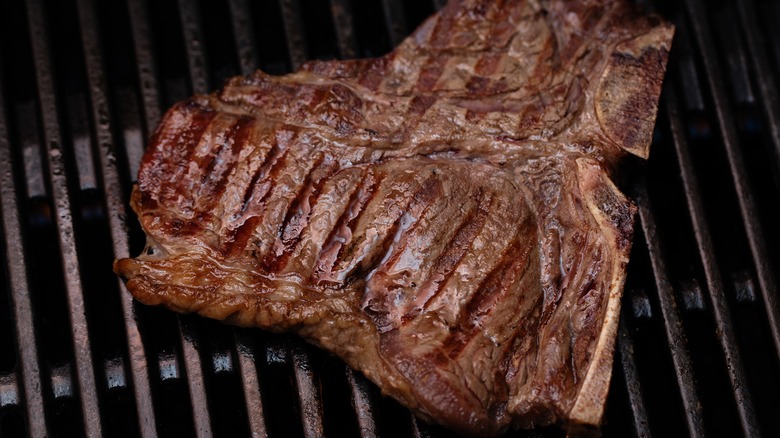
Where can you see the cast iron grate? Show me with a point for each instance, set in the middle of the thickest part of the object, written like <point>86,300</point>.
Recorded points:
<point>82,84</point>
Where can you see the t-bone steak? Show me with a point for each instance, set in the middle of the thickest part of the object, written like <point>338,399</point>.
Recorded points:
<point>442,218</point>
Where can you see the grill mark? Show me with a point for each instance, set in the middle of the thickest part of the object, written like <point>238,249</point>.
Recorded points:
<point>189,139</point>
<point>245,126</point>
<point>441,33</point>
<point>430,73</point>
<point>293,225</point>
<point>237,239</point>
<point>487,64</point>
<point>274,155</point>
<point>451,257</point>
<point>359,199</point>
<point>422,199</point>
<point>372,76</point>
<point>211,184</point>
<point>513,348</point>
<point>496,283</point>
<point>220,126</point>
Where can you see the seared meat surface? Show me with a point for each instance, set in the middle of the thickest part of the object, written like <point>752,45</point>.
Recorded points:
<point>442,218</point>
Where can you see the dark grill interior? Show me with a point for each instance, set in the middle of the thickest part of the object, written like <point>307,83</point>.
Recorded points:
<point>83,82</point>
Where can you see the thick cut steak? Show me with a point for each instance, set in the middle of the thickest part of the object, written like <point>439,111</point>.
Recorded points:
<point>442,218</point>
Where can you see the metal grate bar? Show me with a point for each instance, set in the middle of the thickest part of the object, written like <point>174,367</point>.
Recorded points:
<point>293,30</point>
<point>90,405</point>
<point>420,429</point>
<point>672,322</point>
<point>345,31</point>
<point>361,401</point>
<point>720,307</point>
<point>244,34</point>
<point>116,208</point>
<point>193,41</point>
<point>747,205</point>
<point>76,114</point>
<point>395,21</point>
<point>633,383</point>
<point>195,380</point>
<point>766,80</point>
<point>21,305</point>
<point>144,59</point>
<point>309,396</point>
<point>247,356</point>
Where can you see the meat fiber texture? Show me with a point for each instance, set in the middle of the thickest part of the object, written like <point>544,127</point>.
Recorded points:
<point>442,218</point>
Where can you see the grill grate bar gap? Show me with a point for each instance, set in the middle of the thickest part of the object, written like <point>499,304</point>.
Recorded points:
<point>116,209</point>
<point>747,205</point>
<point>28,129</point>
<point>727,338</point>
<point>672,321</point>
<point>55,161</point>
<point>21,305</point>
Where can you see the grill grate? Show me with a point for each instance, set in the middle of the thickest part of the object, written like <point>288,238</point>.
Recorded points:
<point>83,83</point>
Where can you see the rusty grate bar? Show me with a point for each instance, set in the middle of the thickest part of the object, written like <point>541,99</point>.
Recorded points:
<point>293,30</point>
<point>747,204</point>
<point>116,208</point>
<point>625,348</point>
<point>672,322</point>
<point>345,31</point>
<point>727,338</point>
<point>90,405</point>
<point>244,35</point>
<point>21,305</point>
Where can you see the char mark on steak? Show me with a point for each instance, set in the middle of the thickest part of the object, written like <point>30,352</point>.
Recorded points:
<point>442,218</point>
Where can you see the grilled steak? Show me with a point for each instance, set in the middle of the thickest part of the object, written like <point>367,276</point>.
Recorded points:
<point>442,218</point>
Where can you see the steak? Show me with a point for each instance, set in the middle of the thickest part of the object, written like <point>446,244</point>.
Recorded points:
<point>443,218</point>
